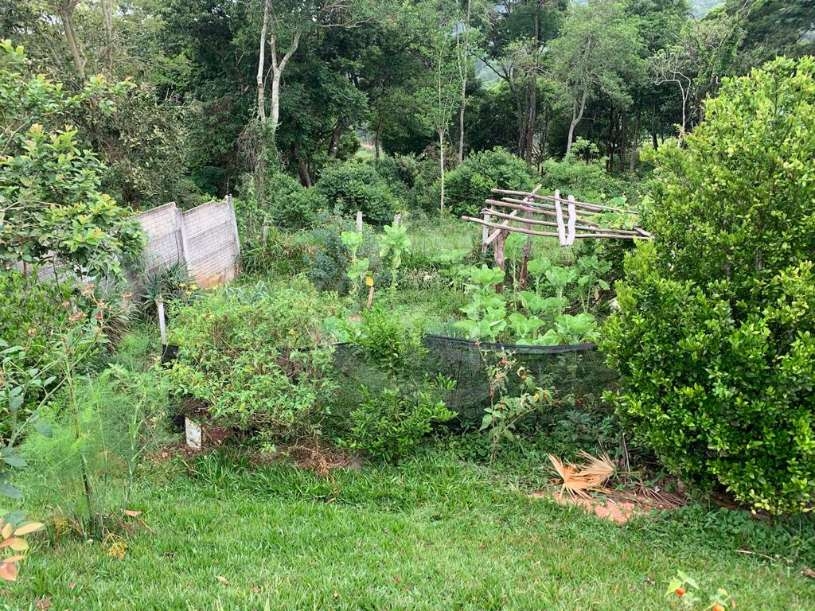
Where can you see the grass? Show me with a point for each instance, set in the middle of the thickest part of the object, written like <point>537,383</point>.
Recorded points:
<point>434,533</point>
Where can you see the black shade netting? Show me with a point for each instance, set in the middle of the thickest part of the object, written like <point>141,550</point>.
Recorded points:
<point>575,371</point>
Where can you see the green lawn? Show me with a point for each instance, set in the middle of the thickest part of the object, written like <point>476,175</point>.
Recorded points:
<point>437,532</point>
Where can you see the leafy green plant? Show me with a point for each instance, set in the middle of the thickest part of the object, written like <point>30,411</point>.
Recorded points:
<point>391,423</point>
<point>389,403</point>
<point>590,281</point>
<point>684,591</point>
<point>255,358</point>
<point>714,334</point>
<point>351,186</point>
<point>506,412</point>
<point>469,184</point>
<point>358,266</point>
<point>525,317</point>
<point>51,204</point>
<point>393,244</point>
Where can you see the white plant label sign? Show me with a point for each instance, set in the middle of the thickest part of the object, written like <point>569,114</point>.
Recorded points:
<point>193,432</point>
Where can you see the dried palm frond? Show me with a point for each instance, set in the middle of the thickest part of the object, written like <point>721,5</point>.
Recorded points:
<point>591,475</point>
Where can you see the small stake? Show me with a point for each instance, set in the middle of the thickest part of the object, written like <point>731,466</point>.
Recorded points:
<point>162,324</point>
<point>369,282</point>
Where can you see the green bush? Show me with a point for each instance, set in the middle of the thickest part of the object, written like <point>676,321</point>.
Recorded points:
<point>289,206</point>
<point>715,336</point>
<point>256,358</point>
<point>467,186</point>
<point>586,180</point>
<point>280,254</point>
<point>390,403</point>
<point>351,186</point>
<point>329,259</point>
<point>35,316</point>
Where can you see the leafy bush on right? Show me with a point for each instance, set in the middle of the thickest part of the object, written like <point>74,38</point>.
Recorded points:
<point>715,336</point>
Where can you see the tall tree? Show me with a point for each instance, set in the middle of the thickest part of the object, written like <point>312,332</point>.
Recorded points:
<point>597,54</point>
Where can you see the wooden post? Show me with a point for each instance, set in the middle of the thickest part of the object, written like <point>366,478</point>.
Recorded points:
<point>570,228</point>
<point>162,323</point>
<point>561,228</point>
<point>485,235</point>
<point>498,250</point>
<point>359,221</point>
<point>527,251</point>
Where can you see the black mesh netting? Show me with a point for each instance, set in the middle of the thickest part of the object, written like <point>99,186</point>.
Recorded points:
<point>577,370</point>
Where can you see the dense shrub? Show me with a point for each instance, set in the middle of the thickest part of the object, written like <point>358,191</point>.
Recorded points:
<point>34,318</point>
<point>255,358</point>
<point>715,336</point>
<point>389,402</point>
<point>352,186</point>
<point>277,253</point>
<point>471,183</point>
<point>289,205</point>
<point>50,186</point>
<point>585,178</point>
<point>329,259</point>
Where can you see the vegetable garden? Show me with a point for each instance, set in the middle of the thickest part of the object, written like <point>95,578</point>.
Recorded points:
<point>519,400</point>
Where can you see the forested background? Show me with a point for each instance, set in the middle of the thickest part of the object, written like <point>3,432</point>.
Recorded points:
<point>214,96</point>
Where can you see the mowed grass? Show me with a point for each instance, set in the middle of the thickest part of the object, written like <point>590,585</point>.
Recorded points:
<point>433,533</point>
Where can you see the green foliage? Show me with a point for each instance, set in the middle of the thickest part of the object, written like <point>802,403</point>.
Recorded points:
<point>288,205</point>
<point>280,254</point>
<point>164,284</point>
<point>394,242</point>
<point>397,403</point>
<point>714,338</point>
<point>255,358</point>
<point>35,317</point>
<point>532,317</point>
<point>586,180</point>
<point>506,412</point>
<point>467,186</point>
<point>100,428</point>
<point>330,260</point>
<point>352,186</point>
<point>391,424</point>
<point>50,199</point>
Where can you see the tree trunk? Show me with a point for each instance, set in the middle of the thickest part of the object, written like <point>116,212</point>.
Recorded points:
<point>461,120</point>
<point>261,110</point>
<point>107,18</point>
<point>277,72</point>
<point>577,115</point>
<point>531,119</point>
<point>66,14</point>
<point>464,67</point>
<point>304,173</point>
<point>441,169</point>
<point>336,134</point>
<point>633,157</point>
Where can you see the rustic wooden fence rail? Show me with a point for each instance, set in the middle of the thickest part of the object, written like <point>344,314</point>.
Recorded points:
<point>531,213</point>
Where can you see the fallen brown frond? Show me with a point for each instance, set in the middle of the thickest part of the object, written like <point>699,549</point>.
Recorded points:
<point>590,475</point>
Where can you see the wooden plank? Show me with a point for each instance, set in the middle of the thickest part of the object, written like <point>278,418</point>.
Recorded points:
<point>584,223</point>
<point>599,234</point>
<point>495,234</point>
<point>588,205</point>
